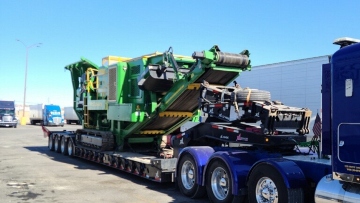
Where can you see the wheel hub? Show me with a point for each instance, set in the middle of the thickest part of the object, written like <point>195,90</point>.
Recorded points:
<point>266,191</point>
<point>223,182</point>
<point>190,174</point>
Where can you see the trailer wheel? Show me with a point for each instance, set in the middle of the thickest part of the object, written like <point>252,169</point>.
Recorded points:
<point>70,148</point>
<point>116,162</point>
<point>64,147</point>
<point>51,142</point>
<point>267,185</point>
<point>186,178</point>
<point>219,183</point>
<point>57,144</point>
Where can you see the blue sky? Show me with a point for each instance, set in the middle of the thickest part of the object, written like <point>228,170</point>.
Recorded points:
<point>273,31</point>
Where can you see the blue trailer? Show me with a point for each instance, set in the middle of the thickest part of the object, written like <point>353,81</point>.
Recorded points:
<point>241,147</point>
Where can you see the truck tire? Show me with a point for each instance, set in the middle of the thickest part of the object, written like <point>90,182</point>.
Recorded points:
<point>187,176</point>
<point>51,142</point>
<point>219,183</point>
<point>63,146</point>
<point>265,179</point>
<point>57,144</point>
<point>70,148</point>
<point>252,95</point>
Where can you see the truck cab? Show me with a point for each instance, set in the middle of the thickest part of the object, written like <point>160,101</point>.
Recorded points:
<point>52,115</point>
<point>7,114</point>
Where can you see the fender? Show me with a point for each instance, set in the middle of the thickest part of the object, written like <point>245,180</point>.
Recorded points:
<point>201,155</point>
<point>289,170</point>
<point>239,164</point>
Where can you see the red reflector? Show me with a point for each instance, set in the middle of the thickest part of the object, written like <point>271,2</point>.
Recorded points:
<point>230,130</point>
<point>218,105</point>
<point>247,103</point>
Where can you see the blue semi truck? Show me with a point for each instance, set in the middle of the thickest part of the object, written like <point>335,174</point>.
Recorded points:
<point>241,145</point>
<point>48,115</point>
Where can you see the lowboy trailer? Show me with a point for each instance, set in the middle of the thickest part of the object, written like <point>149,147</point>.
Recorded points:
<point>172,118</point>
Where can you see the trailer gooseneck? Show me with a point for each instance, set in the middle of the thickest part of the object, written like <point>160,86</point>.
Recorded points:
<point>172,118</point>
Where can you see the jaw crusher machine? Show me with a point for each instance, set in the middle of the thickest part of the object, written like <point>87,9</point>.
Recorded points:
<point>127,105</point>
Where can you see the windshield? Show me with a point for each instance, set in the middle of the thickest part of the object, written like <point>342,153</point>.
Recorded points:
<point>55,113</point>
<point>7,111</point>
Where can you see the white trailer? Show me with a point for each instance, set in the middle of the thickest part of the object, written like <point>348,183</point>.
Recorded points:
<point>36,113</point>
<point>294,83</point>
<point>70,116</point>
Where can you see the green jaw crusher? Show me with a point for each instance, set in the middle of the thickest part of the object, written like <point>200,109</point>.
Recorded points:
<point>130,103</point>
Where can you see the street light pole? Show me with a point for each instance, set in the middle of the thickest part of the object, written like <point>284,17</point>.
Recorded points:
<point>23,119</point>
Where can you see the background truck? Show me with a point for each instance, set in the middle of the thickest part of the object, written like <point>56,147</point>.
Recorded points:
<point>7,114</point>
<point>171,118</point>
<point>70,116</point>
<point>48,115</point>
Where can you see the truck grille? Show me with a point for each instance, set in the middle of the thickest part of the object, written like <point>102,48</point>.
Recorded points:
<point>57,120</point>
<point>7,118</point>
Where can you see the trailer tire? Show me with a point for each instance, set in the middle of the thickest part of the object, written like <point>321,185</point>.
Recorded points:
<point>70,148</point>
<point>219,183</point>
<point>51,142</point>
<point>57,144</point>
<point>64,146</point>
<point>187,176</point>
<point>252,95</point>
<point>265,177</point>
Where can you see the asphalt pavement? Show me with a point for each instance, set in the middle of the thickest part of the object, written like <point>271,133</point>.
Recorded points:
<point>29,172</point>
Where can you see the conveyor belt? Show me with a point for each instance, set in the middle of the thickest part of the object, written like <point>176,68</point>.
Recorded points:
<point>188,100</point>
<point>217,77</point>
<point>162,123</point>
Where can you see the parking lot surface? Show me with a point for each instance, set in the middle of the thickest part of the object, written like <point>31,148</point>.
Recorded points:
<point>29,172</point>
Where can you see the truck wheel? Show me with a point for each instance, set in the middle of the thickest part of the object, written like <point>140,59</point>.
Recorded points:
<point>70,148</point>
<point>64,147</point>
<point>187,176</point>
<point>267,185</point>
<point>56,144</point>
<point>219,183</point>
<point>51,142</point>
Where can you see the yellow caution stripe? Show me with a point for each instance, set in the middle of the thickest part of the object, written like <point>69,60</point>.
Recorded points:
<point>175,114</point>
<point>152,132</point>
<point>194,86</point>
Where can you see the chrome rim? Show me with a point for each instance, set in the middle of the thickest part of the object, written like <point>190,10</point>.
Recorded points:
<point>62,144</point>
<point>188,175</point>
<point>266,191</point>
<point>70,148</point>
<point>220,183</point>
